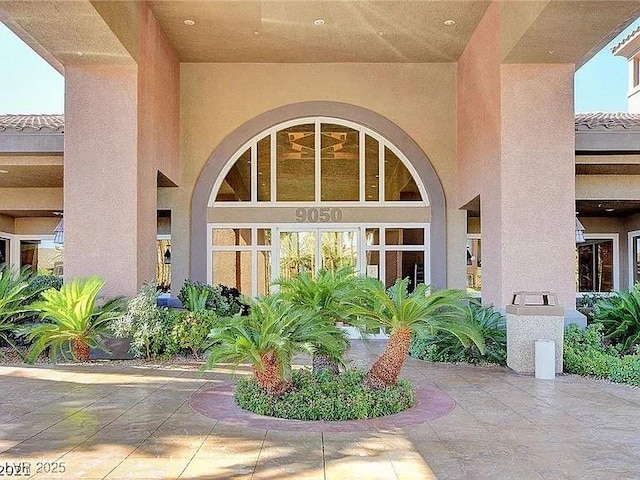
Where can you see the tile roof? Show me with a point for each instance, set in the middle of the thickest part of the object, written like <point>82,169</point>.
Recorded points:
<point>625,40</point>
<point>51,123</point>
<point>608,121</point>
<point>584,121</point>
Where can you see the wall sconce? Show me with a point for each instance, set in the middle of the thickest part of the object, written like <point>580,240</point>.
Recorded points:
<point>167,256</point>
<point>579,231</point>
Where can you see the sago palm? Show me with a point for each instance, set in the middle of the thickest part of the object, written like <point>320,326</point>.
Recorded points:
<point>74,320</point>
<point>14,293</point>
<point>323,298</point>
<point>404,314</point>
<point>268,338</point>
<point>620,315</point>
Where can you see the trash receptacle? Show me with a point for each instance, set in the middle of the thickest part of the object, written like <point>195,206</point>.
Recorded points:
<point>533,316</point>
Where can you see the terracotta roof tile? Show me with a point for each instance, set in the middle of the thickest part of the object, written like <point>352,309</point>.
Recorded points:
<point>609,121</point>
<point>625,40</point>
<point>53,123</point>
<point>584,121</point>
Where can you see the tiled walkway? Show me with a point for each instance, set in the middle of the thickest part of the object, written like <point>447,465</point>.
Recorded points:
<point>113,421</point>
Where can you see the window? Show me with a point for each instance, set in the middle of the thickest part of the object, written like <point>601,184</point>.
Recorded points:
<point>41,256</point>
<point>4,251</point>
<point>474,264</point>
<point>596,265</point>
<point>317,160</point>
<point>636,72</point>
<point>246,257</point>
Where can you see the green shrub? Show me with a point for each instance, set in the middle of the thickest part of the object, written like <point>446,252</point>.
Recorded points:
<point>325,396</point>
<point>627,370</point>
<point>191,329</point>
<point>14,295</point>
<point>40,283</point>
<point>149,327</point>
<point>620,316</point>
<point>488,322</point>
<point>585,352</point>
<point>224,301</point>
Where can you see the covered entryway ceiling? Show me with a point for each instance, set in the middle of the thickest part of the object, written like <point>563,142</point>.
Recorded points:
<point>549,31</point>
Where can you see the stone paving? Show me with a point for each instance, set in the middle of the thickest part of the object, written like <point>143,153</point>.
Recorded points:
<point>121,421</point>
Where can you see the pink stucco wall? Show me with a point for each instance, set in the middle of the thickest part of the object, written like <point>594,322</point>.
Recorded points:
<point>122,126</point>
<point>516,151</point>
<point>100,175</point>
<point>158,130</point>
<point>538,186</point>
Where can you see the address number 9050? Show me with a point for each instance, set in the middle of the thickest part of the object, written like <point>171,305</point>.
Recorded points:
<point>318,215</point>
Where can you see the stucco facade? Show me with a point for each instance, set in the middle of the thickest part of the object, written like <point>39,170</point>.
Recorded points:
<point>151,112</point>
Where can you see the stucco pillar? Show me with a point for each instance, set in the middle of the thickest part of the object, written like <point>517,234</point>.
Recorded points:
<point>528,222</point>
<point>109,219</point>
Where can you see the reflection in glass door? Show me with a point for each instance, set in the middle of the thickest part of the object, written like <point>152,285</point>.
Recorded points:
<point>339,249</point>
<point>299,250</point>
<point>297,253</point>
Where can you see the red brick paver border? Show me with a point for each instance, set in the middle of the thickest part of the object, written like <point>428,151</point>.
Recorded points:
<point>218,403</point>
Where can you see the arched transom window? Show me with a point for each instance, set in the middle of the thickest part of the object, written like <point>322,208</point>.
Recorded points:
<point>316,160</point>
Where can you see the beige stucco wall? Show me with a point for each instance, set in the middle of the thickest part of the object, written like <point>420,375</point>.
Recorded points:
<point>36,225</point>
<point>7,224</point>
<point>31,198</point>
<point>610,187</point>
<point>218,98</point>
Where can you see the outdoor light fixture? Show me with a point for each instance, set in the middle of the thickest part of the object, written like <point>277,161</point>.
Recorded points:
<point>167,256</point>
<point>58,233</point>
<point>189,22</point>
<point>579,231</point>
<point>319,22</point>
<point>449,23</point>
<point>4,171</point>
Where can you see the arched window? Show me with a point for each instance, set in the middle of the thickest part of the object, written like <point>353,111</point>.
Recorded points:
<point>317,160</point>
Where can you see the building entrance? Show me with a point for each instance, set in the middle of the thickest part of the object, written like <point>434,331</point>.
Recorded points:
<point>317,193</point>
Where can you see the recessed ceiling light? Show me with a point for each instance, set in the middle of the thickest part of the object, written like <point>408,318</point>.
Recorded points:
<point>256,33</point>
<point>609,209</point>
<point>449,23</point>
<point>79,54</point>
<point>189,22</point>
<point>319,22</point>
<point>4,171</point>
<point>551,52</point>
<point>380,33</point>
<point>57,213</point>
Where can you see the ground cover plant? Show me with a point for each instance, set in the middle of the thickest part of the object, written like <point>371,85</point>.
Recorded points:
<point>585,353</point>
<point>325,396</point>
<point>443,346</point>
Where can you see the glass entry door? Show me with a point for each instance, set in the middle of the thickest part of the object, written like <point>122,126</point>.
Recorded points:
<point>308,250</point>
